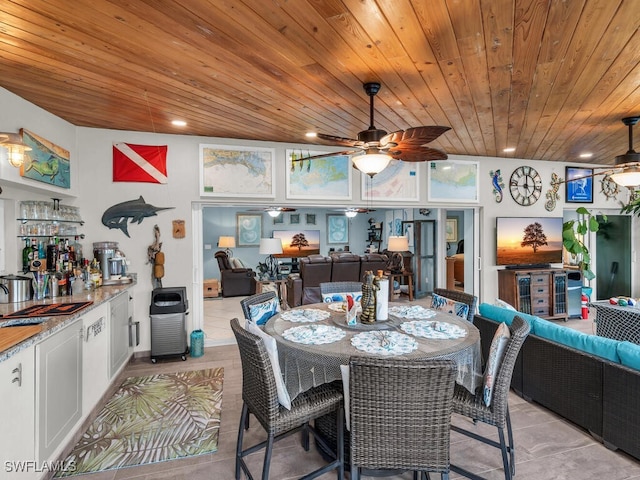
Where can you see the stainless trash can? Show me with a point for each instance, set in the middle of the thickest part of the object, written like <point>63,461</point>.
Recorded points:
<point>168,312</point>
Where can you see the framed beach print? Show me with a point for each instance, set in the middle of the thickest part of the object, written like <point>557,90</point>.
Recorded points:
<point>317,179</point>
<point>396,183</point>
<point>452,181</point>
<point>451,229</point>
<point>249,226</point>
<point>337,228</point>
<point>579,185</point>
<point>251,168</point>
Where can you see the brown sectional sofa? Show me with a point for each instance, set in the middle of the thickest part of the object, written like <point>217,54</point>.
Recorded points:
<point>304,288</point>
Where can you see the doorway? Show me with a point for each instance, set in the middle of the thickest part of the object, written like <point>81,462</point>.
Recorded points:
<point>613,257</point>
<point>424,254</point>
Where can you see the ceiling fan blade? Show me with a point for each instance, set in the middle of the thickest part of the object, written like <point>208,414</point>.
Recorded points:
<point>328,154</point>
<point>341,141</point>
<point>417,153</point>
<point>414,136</point>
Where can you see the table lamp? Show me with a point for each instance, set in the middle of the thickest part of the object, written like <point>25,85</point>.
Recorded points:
<point>397,244</point>
<point>227,243</point>
<point>271,247</point>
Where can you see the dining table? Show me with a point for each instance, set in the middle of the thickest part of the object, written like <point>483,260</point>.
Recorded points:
<point>315,340</point>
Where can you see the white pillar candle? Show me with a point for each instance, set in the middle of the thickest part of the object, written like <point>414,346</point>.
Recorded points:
<point>382,300</point>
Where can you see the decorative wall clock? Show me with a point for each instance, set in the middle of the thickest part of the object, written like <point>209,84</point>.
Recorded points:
<point>525,185</point>
<point>609,187</point>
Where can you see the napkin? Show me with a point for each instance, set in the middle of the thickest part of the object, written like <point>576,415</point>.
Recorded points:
<point>351,311</point>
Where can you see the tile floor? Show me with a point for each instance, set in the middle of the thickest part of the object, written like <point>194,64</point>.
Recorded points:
<point>547,447</point>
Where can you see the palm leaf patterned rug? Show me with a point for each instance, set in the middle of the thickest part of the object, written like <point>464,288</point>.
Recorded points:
<point>152,419</point>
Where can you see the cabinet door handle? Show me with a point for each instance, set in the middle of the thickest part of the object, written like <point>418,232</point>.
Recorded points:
<point>18,375</point>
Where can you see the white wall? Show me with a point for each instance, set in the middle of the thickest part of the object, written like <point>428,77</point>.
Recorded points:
<point>93,190</point>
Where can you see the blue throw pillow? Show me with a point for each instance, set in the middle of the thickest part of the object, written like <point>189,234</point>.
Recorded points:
<point>445,304</point>
<point>261,312</point>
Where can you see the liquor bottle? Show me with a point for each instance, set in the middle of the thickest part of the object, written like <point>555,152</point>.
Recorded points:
<point>26,251</point>
<point>33,254</point>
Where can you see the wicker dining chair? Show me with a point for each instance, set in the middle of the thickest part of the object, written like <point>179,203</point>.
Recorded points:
<point>247,302</point>
<point>497,414</point>
<point>463,297</point>
<point>259,397</point>
<point>327,288</point>
<point>400,414</point>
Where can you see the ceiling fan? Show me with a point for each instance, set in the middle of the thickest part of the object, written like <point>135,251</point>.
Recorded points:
<point>352,212</point>
<point>274,211</point>
<point>374,148</point>
<point>626,169</point>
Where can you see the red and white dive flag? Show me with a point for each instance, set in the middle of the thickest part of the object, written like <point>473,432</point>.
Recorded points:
<point>139,163</point>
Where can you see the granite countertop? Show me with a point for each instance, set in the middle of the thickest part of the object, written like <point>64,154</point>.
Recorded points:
<point>54,323</point>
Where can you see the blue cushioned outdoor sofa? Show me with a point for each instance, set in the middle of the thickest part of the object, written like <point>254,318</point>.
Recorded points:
<point>591,381</point>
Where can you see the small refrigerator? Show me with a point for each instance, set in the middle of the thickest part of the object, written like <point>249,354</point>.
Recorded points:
<point>168,311</point>
<point>574,294</point>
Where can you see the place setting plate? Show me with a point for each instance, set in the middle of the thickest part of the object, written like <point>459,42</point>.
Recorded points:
<point>433,329</point>
<point>413,311</point>
<point>305,315</point>
<point>313,334</point>
<point>384,343</point>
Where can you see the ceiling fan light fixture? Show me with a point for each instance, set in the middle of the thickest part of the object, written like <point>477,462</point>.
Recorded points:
<point>371,163</point>
<point>630,177</point>
<point>351,213</point>
<point>273,213</point>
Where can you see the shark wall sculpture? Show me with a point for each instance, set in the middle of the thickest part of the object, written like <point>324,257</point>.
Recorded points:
<point>118,215</point>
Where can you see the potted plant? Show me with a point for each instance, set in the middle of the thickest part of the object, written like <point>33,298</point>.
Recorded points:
<point>573,235</point>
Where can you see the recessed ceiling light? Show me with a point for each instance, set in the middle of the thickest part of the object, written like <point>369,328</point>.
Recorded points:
<point>586,155</point>
<point>509,149</point>
<point>179,123</point>
<point>311,134</point>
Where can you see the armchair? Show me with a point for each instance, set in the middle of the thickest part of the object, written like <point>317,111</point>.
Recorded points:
<point>235,281</point>
<point>304,288</point>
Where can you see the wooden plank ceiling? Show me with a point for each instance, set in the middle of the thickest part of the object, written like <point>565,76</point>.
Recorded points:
<point>552,78</point>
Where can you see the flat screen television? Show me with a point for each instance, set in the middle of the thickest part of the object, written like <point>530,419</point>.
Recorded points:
<point>298,243</point>
<point>528,241</point>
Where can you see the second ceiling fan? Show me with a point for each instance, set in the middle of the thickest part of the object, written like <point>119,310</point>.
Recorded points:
<point>374,148</point>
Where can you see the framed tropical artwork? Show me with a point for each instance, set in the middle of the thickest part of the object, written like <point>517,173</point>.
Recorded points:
<point>579,185</point>
<point>249,229</point>
<point>45,162</point>
<point>337,228</point>
<point>317,179</point>
<point>396,183</point>
<point>453,181</point>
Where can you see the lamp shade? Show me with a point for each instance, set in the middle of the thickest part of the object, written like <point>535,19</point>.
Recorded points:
<point>371,163</point>
<point>227,242</point>
<point>630,177</point>
<point>398,244</point>
<point>270,246</point>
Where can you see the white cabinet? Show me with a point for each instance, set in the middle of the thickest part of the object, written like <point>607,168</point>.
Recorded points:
<point>121,332</point>
<point>95,357</point>
<point>17,415</point>
<point>58,389</point>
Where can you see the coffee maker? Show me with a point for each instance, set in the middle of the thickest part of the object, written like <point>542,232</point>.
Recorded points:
<point>113,263</point>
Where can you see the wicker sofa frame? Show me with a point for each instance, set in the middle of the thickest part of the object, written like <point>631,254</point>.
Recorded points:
<point>594,393</point>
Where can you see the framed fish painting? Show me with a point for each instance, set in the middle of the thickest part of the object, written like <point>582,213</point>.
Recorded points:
<point>45,162</point>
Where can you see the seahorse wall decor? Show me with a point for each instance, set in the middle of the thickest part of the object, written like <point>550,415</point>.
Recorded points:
<point>497,184</point>
<point>552,193</point>
<point>368,300</point>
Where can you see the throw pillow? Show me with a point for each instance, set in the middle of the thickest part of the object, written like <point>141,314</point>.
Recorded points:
<point>272,351</point>
<point>438,302</point>
<point>341,296</point>
<point>496,352</point>
<point>236,263</point>
<point>503,304</point>
<point>261,312</point>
